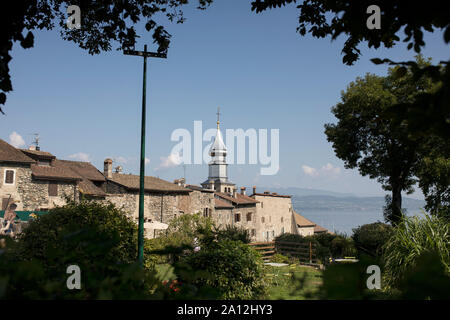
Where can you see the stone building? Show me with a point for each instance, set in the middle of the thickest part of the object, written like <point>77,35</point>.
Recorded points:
<point>37,181</point>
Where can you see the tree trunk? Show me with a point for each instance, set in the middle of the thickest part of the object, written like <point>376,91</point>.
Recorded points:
<point>396,204</point>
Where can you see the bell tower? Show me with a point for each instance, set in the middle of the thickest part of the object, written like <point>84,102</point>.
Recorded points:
<point>218,167</point>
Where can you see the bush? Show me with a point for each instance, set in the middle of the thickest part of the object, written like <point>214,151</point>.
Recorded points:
<point>233,233</point>
<point>370,238</point>
<point>234,268</point>
<point>415,240</point>
<point>100,239</point>
<point>279,258</point>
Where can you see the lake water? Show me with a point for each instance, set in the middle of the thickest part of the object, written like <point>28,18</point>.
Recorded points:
<point>345,221</point>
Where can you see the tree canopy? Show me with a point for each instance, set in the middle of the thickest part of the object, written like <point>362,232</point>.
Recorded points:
<point>367,139</point>
<point>104,24</point>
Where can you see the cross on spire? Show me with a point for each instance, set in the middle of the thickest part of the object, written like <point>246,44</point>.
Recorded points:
<point>218,117</point>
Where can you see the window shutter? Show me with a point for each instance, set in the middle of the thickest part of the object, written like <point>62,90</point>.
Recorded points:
<point>4,203</point>
<point>52,189</point>
<point>9,176</point>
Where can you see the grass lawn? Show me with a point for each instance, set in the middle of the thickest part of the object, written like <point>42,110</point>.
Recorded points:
<point>293,282</point>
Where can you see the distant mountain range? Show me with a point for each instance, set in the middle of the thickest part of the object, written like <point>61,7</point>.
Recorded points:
<point>314,199</point>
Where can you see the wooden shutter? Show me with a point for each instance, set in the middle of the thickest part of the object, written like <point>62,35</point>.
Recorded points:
<point>52,189</point>
<point>9,176</point>
<point>4,203</point>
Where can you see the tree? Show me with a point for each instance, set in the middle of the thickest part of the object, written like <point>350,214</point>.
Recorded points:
<point>429,113</point>
<point>102,23</point>
<point>367,139</point>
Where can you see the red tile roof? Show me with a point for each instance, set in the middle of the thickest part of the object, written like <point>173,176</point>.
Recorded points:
<point>10,154</point>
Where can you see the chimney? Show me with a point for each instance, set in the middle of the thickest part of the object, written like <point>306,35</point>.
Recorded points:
<point>234,193</point>
<point>243,191</point>
<point>107,168</point>
<point>254,189</point>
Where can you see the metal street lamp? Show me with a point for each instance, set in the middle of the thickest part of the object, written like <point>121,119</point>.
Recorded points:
<point>144,54</point>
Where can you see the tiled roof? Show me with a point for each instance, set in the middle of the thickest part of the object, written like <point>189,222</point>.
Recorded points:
<point>10,154</point>
<point>271,195</point>
<point>37,153</point>
<point>131,181</point>
<point>319,229</point>
<point>222,204</point>
<point>240,198</point>
<point>198,188</point>
<point>301,221</point>
<point>57,173</point>
<point>87,187</point>
<point>84,169</point>
<point>65,170</point>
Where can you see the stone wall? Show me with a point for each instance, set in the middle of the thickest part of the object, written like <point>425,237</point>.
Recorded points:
<point>274,216</point>
<point>33,194</point>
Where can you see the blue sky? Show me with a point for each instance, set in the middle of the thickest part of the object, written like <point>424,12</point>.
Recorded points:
<point>255,67</point>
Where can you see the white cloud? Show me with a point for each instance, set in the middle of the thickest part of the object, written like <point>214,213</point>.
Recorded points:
<point>81,156</point>
<point>329,168</point>
<point>310,171</point>
<point>16,140</point>
<point>147,161</point>
<point>172,160</point>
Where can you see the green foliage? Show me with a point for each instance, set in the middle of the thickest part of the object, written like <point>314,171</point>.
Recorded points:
<point>234,268</point>
<point>412,240</point>
<point>58,231</point>
<point>279,258</point>
<point>98,238</point>
<point>233,233</point>
<point>366,137</point>
<point>369,239</point>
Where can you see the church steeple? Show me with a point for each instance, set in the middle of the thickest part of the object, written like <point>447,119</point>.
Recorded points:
<point>218,167</point>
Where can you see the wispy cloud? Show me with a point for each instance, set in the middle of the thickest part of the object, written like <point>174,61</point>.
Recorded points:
<point>80,156</point>
<point>16,140</point>
<point>147,161</point>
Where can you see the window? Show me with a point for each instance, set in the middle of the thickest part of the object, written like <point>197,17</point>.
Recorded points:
<point>262,205</point>
<point>249,216</point>
<point>237,217</point>
<point>253,233</point>
<point>52,189</point>
<point>10,176</point>
<point>273,233</point>
<point>282,230</point>
<point>282,219</point>
<point>262,220</point>
<point>206,212</point>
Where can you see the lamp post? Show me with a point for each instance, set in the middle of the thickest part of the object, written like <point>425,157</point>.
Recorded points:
<point>144,54</point>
